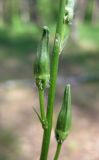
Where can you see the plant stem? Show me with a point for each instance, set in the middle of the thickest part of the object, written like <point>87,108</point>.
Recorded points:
<point>59,145</point>
<point>54,69</point>
<point>41,100</point>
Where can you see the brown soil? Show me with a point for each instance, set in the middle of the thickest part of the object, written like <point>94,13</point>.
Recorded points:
<point>16,115</point>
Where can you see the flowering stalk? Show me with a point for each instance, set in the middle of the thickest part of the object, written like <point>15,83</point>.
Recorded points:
<point>53,78</point>
<point>42,75</point>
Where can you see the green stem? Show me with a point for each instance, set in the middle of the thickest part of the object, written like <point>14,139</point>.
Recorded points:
<point>41,100</point>
<point>59,145</point>
<point>54,69</point>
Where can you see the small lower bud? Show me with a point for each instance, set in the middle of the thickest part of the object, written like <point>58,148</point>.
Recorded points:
<point>64,118</point>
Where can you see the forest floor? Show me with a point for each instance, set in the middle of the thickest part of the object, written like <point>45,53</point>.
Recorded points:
<point>21,133</point>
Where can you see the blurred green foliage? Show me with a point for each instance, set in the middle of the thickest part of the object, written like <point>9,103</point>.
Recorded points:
<point>47,10</point>
<point>89,33</point>
<point>23,39</point>
<point>19,39</point>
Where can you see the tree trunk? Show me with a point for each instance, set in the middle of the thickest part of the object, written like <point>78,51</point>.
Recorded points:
<point>89,11</point>
<point>33,10</point>
<point>7,11</point>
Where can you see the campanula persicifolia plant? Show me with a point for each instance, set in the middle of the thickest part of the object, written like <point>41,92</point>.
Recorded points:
<point>45,72</point>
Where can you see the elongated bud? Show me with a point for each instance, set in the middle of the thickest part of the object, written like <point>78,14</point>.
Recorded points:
<point>42,63</point>
<point>64,118</point>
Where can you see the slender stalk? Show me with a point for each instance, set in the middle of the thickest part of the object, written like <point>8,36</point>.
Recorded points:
<point>54,69</point>
<point>41,100</point>
<point>59,145</point>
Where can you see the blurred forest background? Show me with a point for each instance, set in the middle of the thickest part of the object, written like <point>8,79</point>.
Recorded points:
<point>21,24</point>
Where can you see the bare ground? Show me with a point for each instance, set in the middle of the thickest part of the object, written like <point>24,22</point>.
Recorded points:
<point>17,116</point>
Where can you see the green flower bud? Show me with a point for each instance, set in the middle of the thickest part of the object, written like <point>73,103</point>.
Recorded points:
<point>42,63</point>
<point>64,118</point>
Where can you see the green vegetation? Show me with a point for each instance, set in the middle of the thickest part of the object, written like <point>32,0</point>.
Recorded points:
<point>19,42</point>
<point>89,34</point>
<point>45,73</point>
<point>22,45</point>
